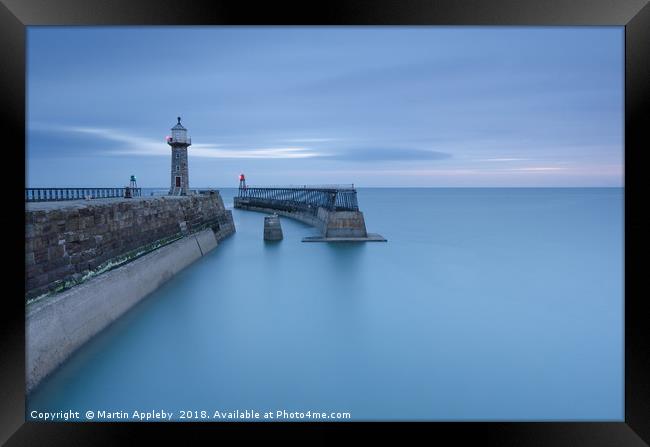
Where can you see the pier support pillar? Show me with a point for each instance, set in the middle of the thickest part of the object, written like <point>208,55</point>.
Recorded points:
<point>272,228</point>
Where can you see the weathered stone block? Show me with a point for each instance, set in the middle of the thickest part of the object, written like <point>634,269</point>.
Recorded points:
<point>53,239</point>
<point>87,255</point>
<point>58,273</point>
<point>72,224</point>
<point>71,236</point>
<point>41,280</point>
<point>33,271</point>
<point>40,256</point>
<point>39,217</point>
<point>55,252</point>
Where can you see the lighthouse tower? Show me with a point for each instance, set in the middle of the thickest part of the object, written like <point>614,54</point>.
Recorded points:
<point>179,142</point>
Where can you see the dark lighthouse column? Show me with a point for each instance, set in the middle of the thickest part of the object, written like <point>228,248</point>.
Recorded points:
<point>179,142</point>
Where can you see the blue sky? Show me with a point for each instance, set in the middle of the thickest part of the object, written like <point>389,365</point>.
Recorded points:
<point>373,106</point>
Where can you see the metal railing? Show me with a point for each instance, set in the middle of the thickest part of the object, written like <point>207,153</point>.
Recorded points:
<point>306,198</point>
<point>60,194</point>
<point>332,187</point>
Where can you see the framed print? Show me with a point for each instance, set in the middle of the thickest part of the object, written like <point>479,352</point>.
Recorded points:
<point>390,217</point>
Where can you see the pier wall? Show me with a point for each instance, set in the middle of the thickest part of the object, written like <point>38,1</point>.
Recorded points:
<point>297,215</point>
<point>65,241</point>
<point>332,224</point>
<point>58,325</point>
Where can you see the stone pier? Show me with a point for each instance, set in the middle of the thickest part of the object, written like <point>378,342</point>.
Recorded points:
<point>89,262</point>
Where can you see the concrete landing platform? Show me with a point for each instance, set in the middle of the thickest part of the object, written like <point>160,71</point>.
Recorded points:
<point>372,237</point>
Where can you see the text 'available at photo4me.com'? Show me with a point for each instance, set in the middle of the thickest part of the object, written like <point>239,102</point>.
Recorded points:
<point>188,415</point>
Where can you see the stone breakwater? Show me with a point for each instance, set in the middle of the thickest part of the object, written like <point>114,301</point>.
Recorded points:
<point>65,242</point>
<point>57,325</point>
<point>123,248</point>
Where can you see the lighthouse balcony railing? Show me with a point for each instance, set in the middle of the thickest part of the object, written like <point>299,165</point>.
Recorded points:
<point>181,140</point>
<point>61,194</point>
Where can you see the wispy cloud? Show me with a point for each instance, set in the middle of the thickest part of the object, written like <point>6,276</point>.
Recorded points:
<point>399,172</point>
<point>126,143</point>
<point>267,152</point>
<point>502,159</point>
<point>130,144</point>
<point>538,169</point>
<point>310,140</point>
<point>371,154</point>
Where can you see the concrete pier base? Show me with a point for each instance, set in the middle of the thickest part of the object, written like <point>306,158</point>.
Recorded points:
<point>343,226</point>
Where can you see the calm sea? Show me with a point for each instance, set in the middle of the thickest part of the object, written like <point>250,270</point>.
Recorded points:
<point>484,304</point>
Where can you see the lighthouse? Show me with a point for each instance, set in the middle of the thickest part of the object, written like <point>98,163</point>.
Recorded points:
<point>179,142</point>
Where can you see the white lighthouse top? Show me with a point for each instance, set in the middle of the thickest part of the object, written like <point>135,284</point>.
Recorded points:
<point>179,134</point>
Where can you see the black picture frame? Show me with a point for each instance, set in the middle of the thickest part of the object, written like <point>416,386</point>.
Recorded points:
<point>634,15</point>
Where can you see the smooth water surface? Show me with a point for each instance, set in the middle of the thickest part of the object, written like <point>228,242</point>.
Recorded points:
<point>484,304</point>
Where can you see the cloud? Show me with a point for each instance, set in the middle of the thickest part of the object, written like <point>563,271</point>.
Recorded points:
<point>268,152</point>
<point>538,169</point>
<point>371,154</point>
<point>310,140</point>
<point>502,159</point>
<point>408,172</point>
<point>130,144</point>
